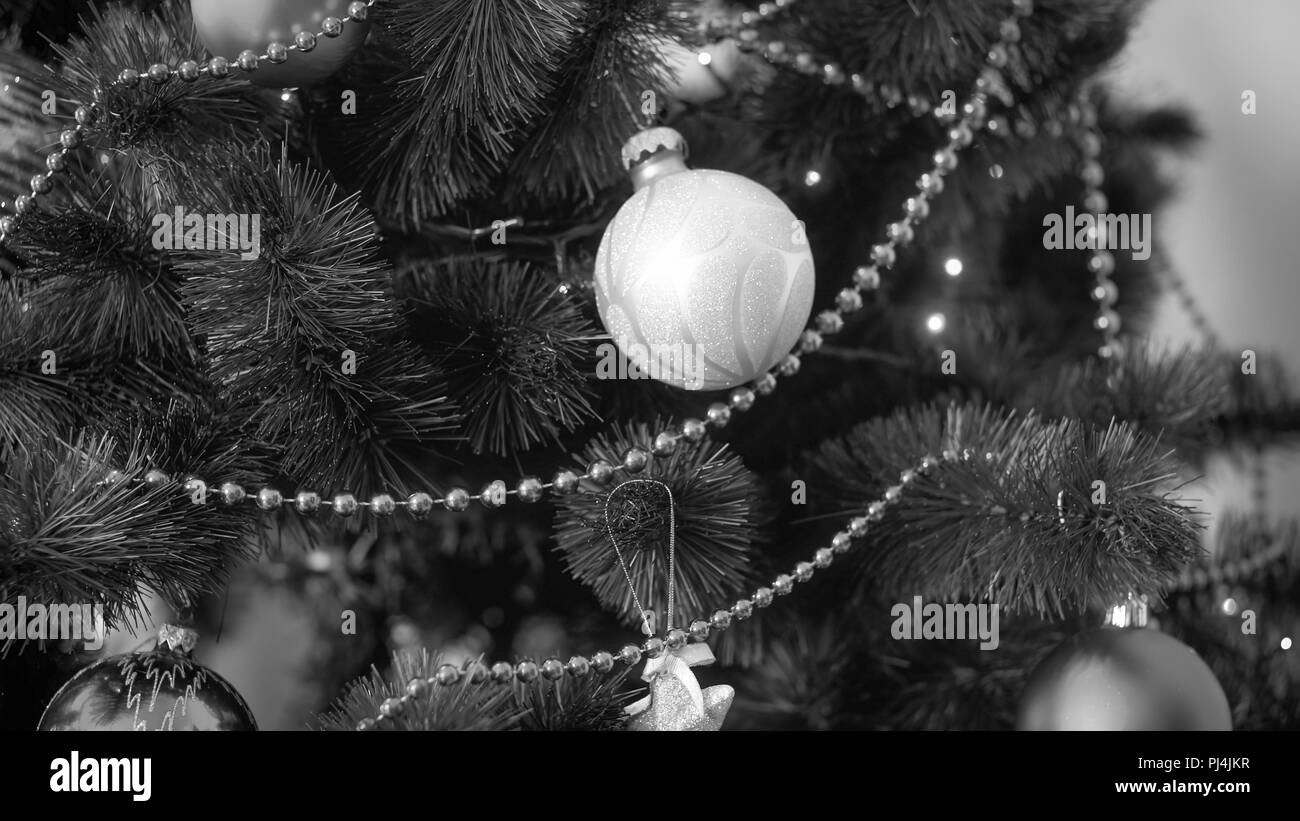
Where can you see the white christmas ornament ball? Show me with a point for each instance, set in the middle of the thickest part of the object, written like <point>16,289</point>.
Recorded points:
<point>704,278</point>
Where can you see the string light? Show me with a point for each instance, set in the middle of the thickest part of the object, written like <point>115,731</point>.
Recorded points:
<point>704,57</point>
<point>1230,606</point>
<point>995,171</point>
<point>812,178</point>
<point>935,323</point>
<point>1286,642</point>
<point>952,267</point>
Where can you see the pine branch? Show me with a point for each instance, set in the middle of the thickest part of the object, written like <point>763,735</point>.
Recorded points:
<point>463,706</point>
<point>1016,522</point>
<point>514,348</point>
<point>284,329</point>
<point>95,325</point>
<point>451,86</point>
<point>842,671</point>
<point>572,153</point>
<point>66,536</point>
<point>1174,395</point>
<point>163,126</point>
<point>716,505</point>
<point>1196,400</point>
<point>592,703</point>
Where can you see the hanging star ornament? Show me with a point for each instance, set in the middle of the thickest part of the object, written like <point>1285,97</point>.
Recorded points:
<point>676,701</point>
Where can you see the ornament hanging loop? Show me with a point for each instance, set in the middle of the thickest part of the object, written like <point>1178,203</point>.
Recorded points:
<point>648,620</point>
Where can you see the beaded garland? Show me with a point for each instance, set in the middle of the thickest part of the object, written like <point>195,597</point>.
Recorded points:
<point>973,118</point>
<point>653,647</point>
<point>188,71</point>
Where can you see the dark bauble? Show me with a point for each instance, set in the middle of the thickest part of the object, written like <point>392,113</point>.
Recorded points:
<point>1134,678</point>
<point>157,690</point>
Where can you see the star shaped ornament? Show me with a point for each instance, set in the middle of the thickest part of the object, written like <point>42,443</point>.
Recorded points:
<point>676,701</point>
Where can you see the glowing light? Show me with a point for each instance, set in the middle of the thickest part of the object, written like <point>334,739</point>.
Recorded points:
<point>704,57</point>
<point>995,171</point>
<point>319,561</point>
<point>1286,642</point>
<point>812,178</point>
<point>952,267</point>
<point>1229,606</point>
<point>286,96</point>
<point>935,323</point>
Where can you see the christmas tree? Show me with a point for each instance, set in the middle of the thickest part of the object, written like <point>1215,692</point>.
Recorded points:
<point>543,352</point>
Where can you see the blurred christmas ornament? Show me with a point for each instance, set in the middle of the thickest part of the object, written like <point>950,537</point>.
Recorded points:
<point>229,27</point>
<point>704,75</point>
<point>676,701</point>
<point>1124,676</point>
<point>704,278</point>
<point>161,689</point>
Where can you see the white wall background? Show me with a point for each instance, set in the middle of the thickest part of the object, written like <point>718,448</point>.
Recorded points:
<point>1233,227</point>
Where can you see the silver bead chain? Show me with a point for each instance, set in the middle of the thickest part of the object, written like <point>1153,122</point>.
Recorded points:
<point>1101,262</point>
<point>603,662</point>
<point>188,71</point>
<point>718,415</point>
<point>973,118</point>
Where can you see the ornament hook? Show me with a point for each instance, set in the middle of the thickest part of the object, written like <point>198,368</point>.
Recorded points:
<point>648,616</point>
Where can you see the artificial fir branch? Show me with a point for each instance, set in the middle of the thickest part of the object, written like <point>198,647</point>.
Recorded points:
<point>514,348</point>
<point>718,509</point>
<point>101,284</point>
<point>95,323</point>
<point>304,341</point>
<point>451,86</point>
<point>842,671</point>
<point>592,703</point>
<point>1195,399</point>
<point>467,705</point>
<point>615,58</point>
<point>67,536</point>
<point>163,126</point>
<point>1018,519</point>
<point>1176,395</point>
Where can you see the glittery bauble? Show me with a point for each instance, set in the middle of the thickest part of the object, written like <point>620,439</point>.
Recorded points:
<point>671,707</point>
<point>1133,678</point>
<point>228,27</point>
<point>157,690</point>
<point>676,700</point>
<point>704,279</point>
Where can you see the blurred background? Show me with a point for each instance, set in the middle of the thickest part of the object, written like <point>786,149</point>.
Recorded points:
<point>1230,230</point>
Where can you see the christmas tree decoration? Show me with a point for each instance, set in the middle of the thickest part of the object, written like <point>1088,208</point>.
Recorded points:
<point>161,689</point>
<point>511,343</point>
<point>1123,676</point>
<point>325,34</point>
<point>420,692</point>
<point>676,701</point>
<point>706,515</point>
<point>403,370</point>
<point>704,279</point>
